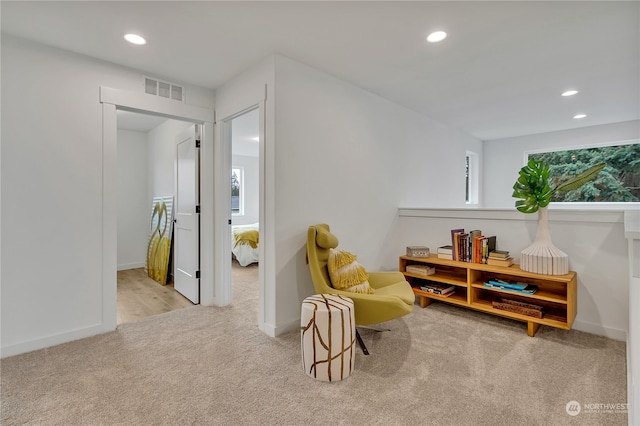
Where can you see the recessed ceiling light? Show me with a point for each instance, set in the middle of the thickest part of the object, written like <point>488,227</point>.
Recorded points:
<point>135,39</point>
<point>569,93</point>
<point>256,138</point>
<point>580,116</point>
<point>436,36</point>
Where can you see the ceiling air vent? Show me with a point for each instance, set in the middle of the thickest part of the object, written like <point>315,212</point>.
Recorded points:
<point>163,89</point>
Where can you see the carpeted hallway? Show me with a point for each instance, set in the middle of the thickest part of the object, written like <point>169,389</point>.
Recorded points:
<point>212,366</point>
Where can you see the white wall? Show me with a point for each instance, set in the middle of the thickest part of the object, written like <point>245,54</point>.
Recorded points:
<point>146,163</point>
<point>342,158</point>
<point>133,200</point>
<point>594,241</point>
<point>52,192</point>
<point>251,187</point>
<point>503,158</point>
<point>433,172</point>
<point>337,154</point>
<point>162,148</point>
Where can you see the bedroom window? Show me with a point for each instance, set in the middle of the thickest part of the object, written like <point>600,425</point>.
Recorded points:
<point>237,191</point>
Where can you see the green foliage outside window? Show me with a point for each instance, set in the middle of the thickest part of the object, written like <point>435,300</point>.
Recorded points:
<point>618,182</point>
<point>236,176</point>
<point>235,183</point>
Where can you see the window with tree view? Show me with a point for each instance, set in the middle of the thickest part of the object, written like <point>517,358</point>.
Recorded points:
<point>618,182</point>
<point>236,191</point>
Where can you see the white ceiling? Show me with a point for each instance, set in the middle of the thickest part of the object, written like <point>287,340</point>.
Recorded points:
<point>498,74</point>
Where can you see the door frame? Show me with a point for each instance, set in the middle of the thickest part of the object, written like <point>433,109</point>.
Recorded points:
<point>111,100</point>
<point>223,128</point>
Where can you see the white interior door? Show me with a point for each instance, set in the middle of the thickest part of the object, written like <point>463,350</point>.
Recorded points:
<point>187,215</point>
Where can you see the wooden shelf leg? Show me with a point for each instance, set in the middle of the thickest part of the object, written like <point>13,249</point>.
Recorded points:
<point>532,327</point>
<point>424,301</point>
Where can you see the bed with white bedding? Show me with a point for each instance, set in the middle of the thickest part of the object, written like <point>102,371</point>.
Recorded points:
<point>244,243</point>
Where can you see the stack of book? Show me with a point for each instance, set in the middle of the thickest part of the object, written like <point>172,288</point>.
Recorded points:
<point>422,270</point>
<point>471,246</point>
<point>444,290</point>
<point>516,287</point>
<point>518,307</point>
<point>500,258</point>
<point>445,252</point>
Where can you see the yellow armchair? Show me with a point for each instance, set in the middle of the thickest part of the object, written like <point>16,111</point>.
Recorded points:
<point>392,298</point>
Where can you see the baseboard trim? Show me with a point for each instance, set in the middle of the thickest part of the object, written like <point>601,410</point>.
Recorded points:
<point>275,331</point>
<point>267,329</point>
<point>53,340</point>
<point>285,328</point>
<point>135,265</point>
<point>600,330</point>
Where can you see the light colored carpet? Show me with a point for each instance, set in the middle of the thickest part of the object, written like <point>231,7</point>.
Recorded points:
<point>440,365</point>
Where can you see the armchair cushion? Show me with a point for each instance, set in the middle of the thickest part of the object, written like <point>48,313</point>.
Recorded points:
<point>325,239</point>
<point>398,289</point>
<point>346,273</point>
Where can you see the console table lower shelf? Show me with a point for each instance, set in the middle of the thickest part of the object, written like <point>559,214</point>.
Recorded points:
<point>553,304</point>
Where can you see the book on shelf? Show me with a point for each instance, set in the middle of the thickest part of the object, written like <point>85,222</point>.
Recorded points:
<point>451,293</point>
<point>474,235</point>
<point>488,245</point>
<point>506,283</point>
<point>423,270</point>
<point>461,247</point>
<point>439,293</point>
<point>529,289</point>
<point>499,254</point>
<point>518,307</point>
<point>445,250</point>
<point>471,247</point>
<point>437,288</point>
<point>455,242</point>
<point>500,262</point>
<point>523,304</point>
<point>477,244</point>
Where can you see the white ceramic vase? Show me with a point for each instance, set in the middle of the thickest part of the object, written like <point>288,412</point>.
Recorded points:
<point>543,257</point>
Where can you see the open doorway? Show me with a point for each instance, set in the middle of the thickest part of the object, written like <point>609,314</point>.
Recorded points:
<point>245,206</point>
<point>146,157</point>
<point>116,99</point>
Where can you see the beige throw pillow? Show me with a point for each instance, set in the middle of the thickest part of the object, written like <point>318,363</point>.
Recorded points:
<point>347,274</point>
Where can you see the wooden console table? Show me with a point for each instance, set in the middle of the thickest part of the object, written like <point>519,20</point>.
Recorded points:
<point>557,294</point>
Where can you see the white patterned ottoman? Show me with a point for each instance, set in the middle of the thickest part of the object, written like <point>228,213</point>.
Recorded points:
<point>328,335</point>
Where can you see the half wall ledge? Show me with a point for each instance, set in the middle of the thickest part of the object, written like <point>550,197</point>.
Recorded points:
<point>560,215</point>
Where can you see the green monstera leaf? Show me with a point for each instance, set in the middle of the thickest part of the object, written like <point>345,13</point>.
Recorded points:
<point>534,191</point>
<point>532,187</point>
